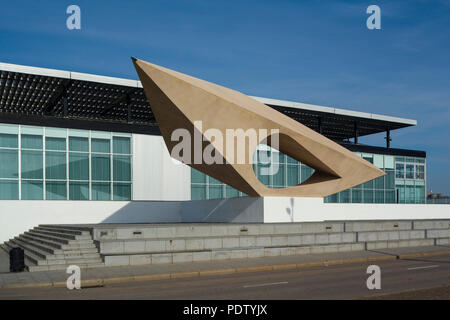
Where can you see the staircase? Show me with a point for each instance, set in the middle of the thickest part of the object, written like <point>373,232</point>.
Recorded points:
<point>56,248</point>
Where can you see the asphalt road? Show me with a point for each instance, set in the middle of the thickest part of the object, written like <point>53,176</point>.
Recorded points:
<point>400,277</point>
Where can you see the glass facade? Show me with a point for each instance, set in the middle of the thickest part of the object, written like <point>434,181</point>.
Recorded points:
<point>404,181</point>
<point>39,163</point>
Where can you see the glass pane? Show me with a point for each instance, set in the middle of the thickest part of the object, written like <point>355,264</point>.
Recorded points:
<point>400,193</point>
<point>420,172</point>
<point>55,190</point>
<point>197,176</point>
<point>379,196</point>
<point>334,198</point>
<point>122,191</point>
<point>291,160</point>
<point>78,144</point>
<point>409,171</point>
<point>9,160</point>
<point>293,178</point>
<point>8,140</point>
<point>9,190</point>
<point>368,185</point>
<point>32,190</point>
<point>390,179</point>
<point>279,179</point>
<point>306,172</point>
<point>101,191</point>
<point>198,192</point>
<point>264,174</point>
<point>55,165</point>
<point>121,145</point>
<point>400,170</point>
<point>368,196</point>
<point>55,143</point>
<point>100,145</point>
<point>101,167</point>
<point>215,192</point>
<point>122,168</point>
<point>31,141</point>
<point>410,194</point>
<point>231,192</point>
<point>420,194</point>
<point>390,196</point>
<point>32,164</point>
<point>379,183</point>
<point>356,196</point>
<point>79,166</point>
<point>79,191</point>
<point>214,181</point>
<point>344,196</point>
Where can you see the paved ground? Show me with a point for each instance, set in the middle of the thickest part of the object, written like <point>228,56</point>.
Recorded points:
<point>332,282</point>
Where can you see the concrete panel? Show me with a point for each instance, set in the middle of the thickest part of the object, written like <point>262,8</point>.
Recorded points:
<point>134,246</point>
<point>176,245</point>
<point>279,241</point>
<point>112,247</point>
<point>155,245</point>
<point>443,233</point>
<point>213,243</point>
<point>159,258</point>
<point>263,241</point>
<point>201,256</point>
<point>140,259</point>
<point>247,241</point>
<point>231,242</point>
<point>429,224</point>
<point>117,260</point>
<point>180,257</point>
<point>195,244</point>
<point>313,209</point>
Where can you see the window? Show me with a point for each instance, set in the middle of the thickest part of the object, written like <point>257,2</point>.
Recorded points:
<point>64,164</point>
<point>409,171</point>
<point>420,172</point>
<point>400,170</point>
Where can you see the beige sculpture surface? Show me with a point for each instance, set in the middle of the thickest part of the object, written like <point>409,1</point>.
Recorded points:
<point>181,101</point>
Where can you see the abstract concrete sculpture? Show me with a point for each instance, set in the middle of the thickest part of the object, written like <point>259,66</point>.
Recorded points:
<point>181,101</point>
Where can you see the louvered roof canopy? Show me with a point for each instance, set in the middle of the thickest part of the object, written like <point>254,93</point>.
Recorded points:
<point>47,97</point>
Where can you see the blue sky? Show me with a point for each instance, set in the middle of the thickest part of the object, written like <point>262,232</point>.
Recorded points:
<point>317,52</point>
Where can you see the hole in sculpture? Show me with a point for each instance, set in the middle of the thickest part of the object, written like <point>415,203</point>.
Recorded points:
<point>276,170</point>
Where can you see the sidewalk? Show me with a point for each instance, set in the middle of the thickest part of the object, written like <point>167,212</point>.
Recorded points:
<point>108,275</point>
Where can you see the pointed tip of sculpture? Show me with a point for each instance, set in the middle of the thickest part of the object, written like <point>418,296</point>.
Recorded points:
<point>133,59</point>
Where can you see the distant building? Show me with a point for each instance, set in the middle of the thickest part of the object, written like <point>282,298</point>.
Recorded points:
<point>437,198</point>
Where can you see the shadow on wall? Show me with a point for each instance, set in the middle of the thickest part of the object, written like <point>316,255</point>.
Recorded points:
<point>245,209</point>
<point>290,210</point>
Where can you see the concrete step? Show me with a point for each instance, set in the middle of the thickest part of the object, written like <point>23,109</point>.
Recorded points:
<point>63,230</point>
<point>376,245</point>
<point>55,251</point>
<point>36,252</point>
<point>66,227</point>
<point>60,235</point>
<point>189,244</point>
<point>40,255</point>
<point>75,244</point>
<point>58,239</point>
<point>224,254</point>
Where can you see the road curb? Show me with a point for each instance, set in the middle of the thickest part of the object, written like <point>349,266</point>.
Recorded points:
<point>178,275</point>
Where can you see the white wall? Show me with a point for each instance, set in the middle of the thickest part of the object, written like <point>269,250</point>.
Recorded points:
<point>19,216</point>
<point>155,175</point>
<point>280,209</point>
